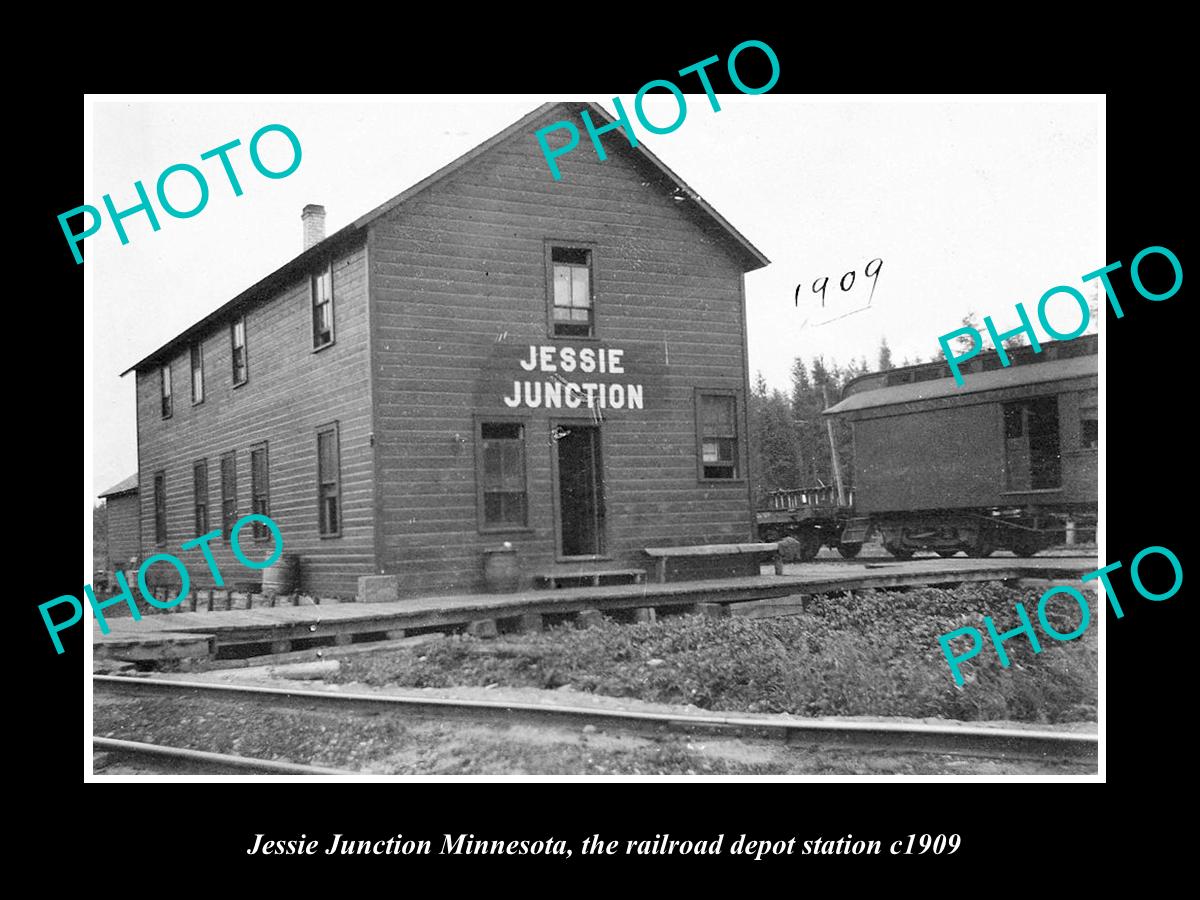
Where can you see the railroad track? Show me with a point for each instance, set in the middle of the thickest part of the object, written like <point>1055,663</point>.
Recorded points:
<point>159,755</point>
<point>1004,743</point>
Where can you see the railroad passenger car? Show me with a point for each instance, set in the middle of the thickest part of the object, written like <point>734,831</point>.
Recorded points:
<point>1006,461</point>
<point>492,362</point>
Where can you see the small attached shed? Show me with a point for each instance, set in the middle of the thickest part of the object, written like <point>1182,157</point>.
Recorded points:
<point>123,527</point>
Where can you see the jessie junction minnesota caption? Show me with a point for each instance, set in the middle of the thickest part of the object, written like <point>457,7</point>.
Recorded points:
<point>543,431</point>
<point>660,845</point>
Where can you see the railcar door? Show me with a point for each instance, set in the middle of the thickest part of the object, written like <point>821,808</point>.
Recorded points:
<point>1032,458</point>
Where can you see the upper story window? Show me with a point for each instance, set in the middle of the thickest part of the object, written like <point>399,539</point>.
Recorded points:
<point>572,313</point>
<point>197,373</point>
<point>322,307</point>
<point>717,435</point>
<point>237,340</point>
<point>164,383</point>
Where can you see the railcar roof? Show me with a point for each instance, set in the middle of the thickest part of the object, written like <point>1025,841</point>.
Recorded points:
<point>973,383</point>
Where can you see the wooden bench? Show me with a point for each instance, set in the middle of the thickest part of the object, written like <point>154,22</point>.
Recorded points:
<point>660,555</point>
<point>594,577</point>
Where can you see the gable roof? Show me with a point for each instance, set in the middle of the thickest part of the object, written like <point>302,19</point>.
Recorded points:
<point>973,383</point>
<point>751,256</point>
<point>128,486</point>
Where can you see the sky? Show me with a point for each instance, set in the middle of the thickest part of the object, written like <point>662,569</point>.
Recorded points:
<point>972,206</point>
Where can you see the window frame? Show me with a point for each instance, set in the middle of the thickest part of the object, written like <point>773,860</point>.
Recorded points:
<point>196,353</point>
<point>166,390</point>
<point>481,523</point>
<point>1024,405</point>
<point>312,303</point>
<point>550,244</point>
<point>333,428</point>
<point>197,505</point>
<point>261,532</point>
<point>1089,400</point>
<point>233,351</point>
<point>160,507</point>
<point>229,519</point>
<point>739,468</point>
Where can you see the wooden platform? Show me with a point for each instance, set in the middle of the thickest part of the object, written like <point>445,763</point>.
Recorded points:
<point>201,635</point>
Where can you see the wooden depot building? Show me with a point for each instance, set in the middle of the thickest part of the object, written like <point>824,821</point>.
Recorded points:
<point>490,358</point>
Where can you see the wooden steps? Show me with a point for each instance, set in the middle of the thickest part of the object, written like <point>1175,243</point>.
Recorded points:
<point>586,577</point>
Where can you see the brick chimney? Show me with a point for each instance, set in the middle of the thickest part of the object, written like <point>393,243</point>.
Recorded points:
<point>313,220</point>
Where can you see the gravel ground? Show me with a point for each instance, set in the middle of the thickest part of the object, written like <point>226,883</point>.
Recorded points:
<point>871,654</point>
<point>381,744</point>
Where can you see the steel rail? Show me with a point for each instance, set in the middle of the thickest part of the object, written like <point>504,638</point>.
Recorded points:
<point>893,736</point>
<point>223,760</point>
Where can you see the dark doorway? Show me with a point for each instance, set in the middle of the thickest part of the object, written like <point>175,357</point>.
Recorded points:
<point>580,490</point>
<point>1031,445</point>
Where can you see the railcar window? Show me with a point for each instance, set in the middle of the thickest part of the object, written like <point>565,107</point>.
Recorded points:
<point>1089,424</point>
<point>572,272</point>
<point>1014,420</point>
<point>502,475</point>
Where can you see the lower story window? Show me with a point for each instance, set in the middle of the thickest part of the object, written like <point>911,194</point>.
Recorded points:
<point>502,475</point>
<point>160,507</point>
<point>716,420</point>
<point>329,482</point>
<point>258,489</point>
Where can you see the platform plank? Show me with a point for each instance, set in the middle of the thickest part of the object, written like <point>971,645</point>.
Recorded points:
<point>292,623</point>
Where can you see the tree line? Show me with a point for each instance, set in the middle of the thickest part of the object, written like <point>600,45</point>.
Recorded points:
<point>788,435</point>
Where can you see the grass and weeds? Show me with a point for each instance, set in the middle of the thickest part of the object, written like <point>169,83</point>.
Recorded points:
<point>875,653</point>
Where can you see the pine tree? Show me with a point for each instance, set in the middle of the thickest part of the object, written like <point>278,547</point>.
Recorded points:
<point>964,342</point>
<point>885,356</point>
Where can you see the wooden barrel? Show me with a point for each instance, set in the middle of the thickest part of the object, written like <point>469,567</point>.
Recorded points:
<point>501,569</point>
<point>283,577</point>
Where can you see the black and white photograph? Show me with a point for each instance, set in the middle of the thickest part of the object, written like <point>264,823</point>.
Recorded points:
<point>693,434</point>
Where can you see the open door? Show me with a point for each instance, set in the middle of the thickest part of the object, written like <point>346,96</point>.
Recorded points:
<point>1032,458</point>
<point>580,491</point>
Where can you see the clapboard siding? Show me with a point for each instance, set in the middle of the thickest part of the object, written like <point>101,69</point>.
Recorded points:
<point>291,391</point>
<point>458,293</point>
<point>122,529</point>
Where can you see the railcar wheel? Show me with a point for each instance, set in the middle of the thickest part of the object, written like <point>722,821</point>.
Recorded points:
<point>810,544</point>
<point>898,551</point>
<point>946,554</point>
<point>1025,548</point>
<point>849,551</point>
